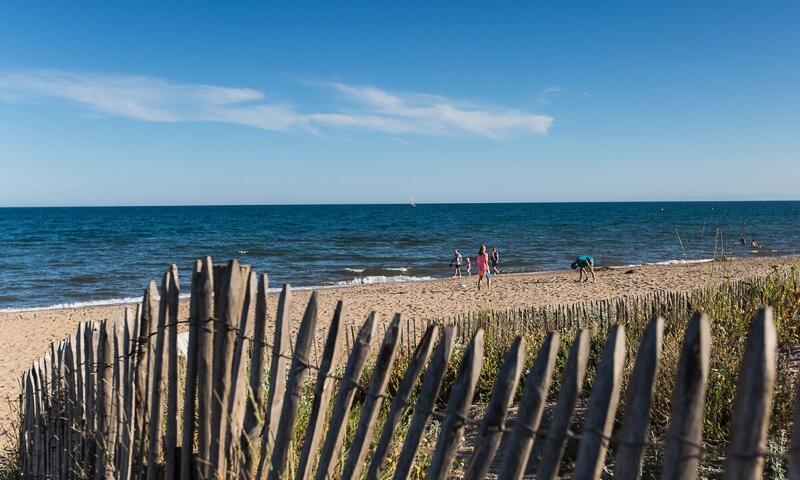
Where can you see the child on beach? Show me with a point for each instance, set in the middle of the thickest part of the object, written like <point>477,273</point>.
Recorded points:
<point>457,262</point>
<point>469,267</point>
<point>482,261</point>
<point>583,262</point>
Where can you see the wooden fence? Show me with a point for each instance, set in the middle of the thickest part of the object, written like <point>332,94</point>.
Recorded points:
<point>107,402</point>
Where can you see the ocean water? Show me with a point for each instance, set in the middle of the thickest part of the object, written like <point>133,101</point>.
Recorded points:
<point>75,256</point>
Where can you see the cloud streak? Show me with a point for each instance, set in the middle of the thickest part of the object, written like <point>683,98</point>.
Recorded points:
<point>547,93</point>
<point>364,108</point>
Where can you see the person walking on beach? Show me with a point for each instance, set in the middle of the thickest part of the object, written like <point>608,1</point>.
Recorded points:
<point>469,267</point>
<point>457,262</point>
<point>583,262</point>
<point>482,261</point>
<point>495,261</point>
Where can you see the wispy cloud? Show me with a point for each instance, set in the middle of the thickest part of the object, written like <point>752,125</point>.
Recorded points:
<point>547,93</point>
<point>437,115</point>
<point>366,108</point>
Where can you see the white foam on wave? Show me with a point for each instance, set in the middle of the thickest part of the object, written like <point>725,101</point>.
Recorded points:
<point>665,262</point>
<point>683,262</point>
<point>90,303</point>
<point>370,279</point>
<point>387,269</point>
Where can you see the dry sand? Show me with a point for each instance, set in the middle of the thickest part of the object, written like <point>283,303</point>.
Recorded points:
<point>26,335</point>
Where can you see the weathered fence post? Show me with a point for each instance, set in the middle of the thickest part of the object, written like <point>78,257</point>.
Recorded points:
<point>190,390</point>
<point>628,457</point>
<point>90,382</point>
<point>495,417</point>
<point>425,402</point>
<point>129,335</point>
<point>602,406</point>
<point>571,386</point>
<point>157,390</point>
<point>322,394</point>
<point>530,410</point>
<point>277,380</point>
<point>141,414</point>
<point>171,351</point>
<point>748,440</point>
<point>205,383</point>
<point>457,409</point>
<point>401,399</point>
<point>682,452</point>
<point>294,389</point>
<point>71,410</point>
<point>228,319</point>
<point>237,397</point>
<point>255,405</point>
<point>105,454</point>
<point>372,404</point>
<point>344,400</point>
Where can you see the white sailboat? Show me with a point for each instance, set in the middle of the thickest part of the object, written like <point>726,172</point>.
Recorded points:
<point>412,202</point>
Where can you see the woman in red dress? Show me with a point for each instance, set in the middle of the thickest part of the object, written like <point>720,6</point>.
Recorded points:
<point>482,262</point>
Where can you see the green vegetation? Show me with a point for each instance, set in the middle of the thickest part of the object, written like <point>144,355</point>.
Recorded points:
<point>730,307</point>
<point>9,453</point>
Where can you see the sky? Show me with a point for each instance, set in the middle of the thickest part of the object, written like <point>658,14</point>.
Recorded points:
<point>180,103</point>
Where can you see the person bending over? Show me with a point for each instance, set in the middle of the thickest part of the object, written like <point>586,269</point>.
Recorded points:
<point>583,263</point>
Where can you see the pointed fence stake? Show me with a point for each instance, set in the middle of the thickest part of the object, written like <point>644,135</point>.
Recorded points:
<point>294,390</point>
<point>423,409</point>
<point>628,457</point>
<point>602,406</point>
<point>372,404</point>
<point>255,405</point>
<point>530,410</point>
<point>205,362</point>
<point>322,394</point>
<point>571,386</point>
<point>685,434</point>
<point>281,353</point>
<point>495,417</point>
<point>748,440</point>
<point>344,400</point>
<point>458,405</point>
<point>401,400</point>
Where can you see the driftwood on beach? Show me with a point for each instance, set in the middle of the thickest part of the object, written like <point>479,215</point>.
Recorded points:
<point>115,401</point>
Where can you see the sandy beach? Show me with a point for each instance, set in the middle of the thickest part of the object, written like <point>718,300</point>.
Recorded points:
<point>27,334</point>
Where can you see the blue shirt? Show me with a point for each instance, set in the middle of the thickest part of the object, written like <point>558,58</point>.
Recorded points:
<point>585,259</point>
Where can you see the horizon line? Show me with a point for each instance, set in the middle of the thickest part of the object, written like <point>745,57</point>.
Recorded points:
<point>343,204</point>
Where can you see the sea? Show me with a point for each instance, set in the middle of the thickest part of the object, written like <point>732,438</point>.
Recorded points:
<point>69,257</point>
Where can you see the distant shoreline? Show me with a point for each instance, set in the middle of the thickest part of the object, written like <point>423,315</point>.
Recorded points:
<point>128,301</point>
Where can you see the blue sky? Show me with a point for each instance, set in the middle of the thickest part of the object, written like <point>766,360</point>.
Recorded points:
<point>109,103</point>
